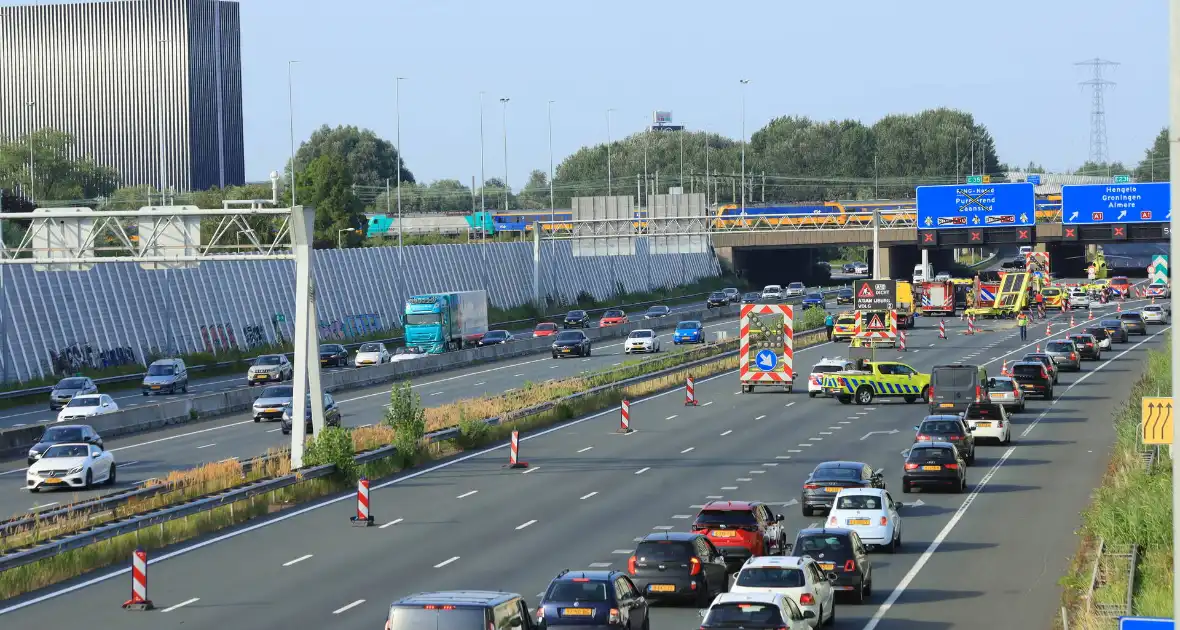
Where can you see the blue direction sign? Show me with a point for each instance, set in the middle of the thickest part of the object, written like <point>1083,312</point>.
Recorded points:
<point>1116,203</point>
<point>1145,623</point>
<point>976,205</point>
<point>1034,179</point>
<point>766,360</point>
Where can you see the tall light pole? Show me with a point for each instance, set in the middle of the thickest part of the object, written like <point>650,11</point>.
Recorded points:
<point>552,206</point>
<point>608,173</point>
<point>32,187</point>
<point>1174,176</point>
<point>397,108</point>
<point>291,123</point>
<point>504,124</point>
<point>483,204</point>
<point>160,124</point>
<point>745,82</point>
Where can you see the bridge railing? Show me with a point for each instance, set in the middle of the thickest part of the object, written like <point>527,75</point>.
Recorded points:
<point>703,225</point>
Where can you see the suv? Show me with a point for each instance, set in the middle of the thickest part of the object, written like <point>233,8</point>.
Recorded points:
<point>953,429</point>
<point>1033,378</point>
<point>798,578</point>
<point>717,299</point>
<point>576,319</point>
<point>772,292</point>
<point>934,464</point>
<point>274,368</point>
<point>1087,346</point>
<point>1065,354</point>
<point>795,289</point>
<point>677,565</point>
<point>839,551</point>
<point>1133,322</point>
<point>1045,360</point>
<point>166,376</point>
<point>600,598</point>
<point>953,387</point>
<point>460,610</point>
<point>741,529</point>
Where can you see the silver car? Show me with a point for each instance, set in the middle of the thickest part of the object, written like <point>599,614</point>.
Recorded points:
<point>67,388</point>
<point>1003,390</point>
<point>272,402</point>
<point>269,368</point>
<point>1156,314</point>
<point>1065,354</point>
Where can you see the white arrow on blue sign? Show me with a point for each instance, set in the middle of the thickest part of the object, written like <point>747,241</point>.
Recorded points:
<point>1145,623</point>
<point>766,360</point>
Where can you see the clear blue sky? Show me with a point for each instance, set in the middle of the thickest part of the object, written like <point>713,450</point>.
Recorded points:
<point>1009,63</point>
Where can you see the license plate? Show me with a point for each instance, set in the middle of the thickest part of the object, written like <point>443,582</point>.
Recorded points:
<point>155,387</point>
<point>662,588</point>
<point>53,480</point>
<point>833,489</point>
<point>986,425</point>
<point>1029,386</point>
<point>827,566</point>
<point>577,612</point>
<point>260,377</point>
<point>566,350</point>
<point>724,533</point>
<point>945,405</point>
<point>270,411</point>
<point>858,521</point>
<point>932,468</point>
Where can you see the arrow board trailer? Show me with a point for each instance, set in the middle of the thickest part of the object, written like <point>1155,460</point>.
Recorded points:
<point>766,351</point>
<point>875,329</point>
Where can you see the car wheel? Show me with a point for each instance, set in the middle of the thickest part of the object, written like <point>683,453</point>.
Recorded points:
<point>811,394</point>
<point>962,486</point>
<point>926,394</point>
<point>864,395</point>
<point>589,351</point>
<point>257,419</point>
<point>111,476</point>
<point>905,487</point>
<point>286,432</point>
<point>910,399</point>
<point>869,587</point>
<point>844,400</point>
<point>807,511</point>
<point>554,355</point>
<point>860,595</point>
<point>892,546</point>
<point>646,623</point>
<point>184,388</point>
<point>703,597</point>
<point>831,615</point>
<point>89,480</point>
<point>971,458</point>
<point>1008,436</point>
<point>1020,409</point>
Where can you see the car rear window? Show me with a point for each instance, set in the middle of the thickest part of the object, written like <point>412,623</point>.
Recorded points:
<point>956,377</point>
<point>832,546</point>
<point>858,502</point>
<point>569,335</point>
<point>941,427</point>
<point>737,614</point>
<point>771,577</point>
<point>725,518</point>
<point>664,551</point>
<point>436,618</point>
<point>835,472</point>
<point>928,454</point>
<point>846,319</point>
<point>566,591</point>
<point>1060,346</point>
<point>825,369</point>
<point>1023,369</point>
<point>1130,316</point>
<point>1051,292</point>
<point>984,411</point>
<point>1111,323</point>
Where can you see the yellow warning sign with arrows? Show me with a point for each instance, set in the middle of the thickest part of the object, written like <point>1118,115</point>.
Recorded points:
<point>1156,420</point>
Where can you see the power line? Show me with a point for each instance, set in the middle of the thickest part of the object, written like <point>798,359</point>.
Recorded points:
<point>1097,85</point>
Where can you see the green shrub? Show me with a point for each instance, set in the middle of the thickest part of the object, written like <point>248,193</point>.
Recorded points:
<point>473,433</point>
<point>333,446</point>
<point>408,419</point>
<point>812,318</point>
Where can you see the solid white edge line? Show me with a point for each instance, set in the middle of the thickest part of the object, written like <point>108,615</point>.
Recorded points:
<point>182,604</point>
<point>298,560</point>
<point>588,496</point>
<point>391,523</point>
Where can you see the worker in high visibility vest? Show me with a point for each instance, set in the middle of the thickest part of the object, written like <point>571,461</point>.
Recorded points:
<point>1022,322</point>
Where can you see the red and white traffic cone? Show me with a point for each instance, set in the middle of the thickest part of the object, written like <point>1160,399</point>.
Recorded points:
<point>514,452</point>
<point>942,329</point>
<point>901,338</point>
<point>1004,370</point>
<point>1118,307</point>
<point>1048,330</point>
<point>970,326</point>
<point>1089,314</point>
<point>625,418</point>
<point>139,599</point>
<point>1037,350</point>
<point>690,393</point>
<point>363,516</point>
<point>1071,324</point>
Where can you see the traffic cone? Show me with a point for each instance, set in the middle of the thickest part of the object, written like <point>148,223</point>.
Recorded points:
<point>1071,324</point>
<point>1037,350</point>
<point>690,394</point>
<point>1048,330</point>
<point>514,453</point>
<point>139,599</point>
<point>625,418</point>
<point>970,326</point>
<point>1004,370</point>
<point>1118,307</point>
<point>942,329</point>
<point>1089,314</point>
<point>363,516</point>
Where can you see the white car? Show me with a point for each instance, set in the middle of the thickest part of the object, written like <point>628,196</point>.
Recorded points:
<point>799,578</point>
<point>942,276</point>
<point>986,423</point>
<point>642,340</point>
<point>406,353</point>
<point>270,368</point>
<point>860,268</point>
<point>71,465</point>
<point>871,513</point>
<point>772,292</point>
<point>825,365</point>
<point>81,407</point>
<point>1079,298</point>
<point>371,354</point>
<point>1157,290</point>
<point>756,610</point>
<point>1004,390</point>
<point>795,289</point>
<point>1155,314</point>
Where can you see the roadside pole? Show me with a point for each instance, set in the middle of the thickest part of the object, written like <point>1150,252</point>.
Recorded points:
<point>877,244</point>
<point>1174,246</point>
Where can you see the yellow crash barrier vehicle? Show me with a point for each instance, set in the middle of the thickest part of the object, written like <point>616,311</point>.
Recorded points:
<point>886,379</point>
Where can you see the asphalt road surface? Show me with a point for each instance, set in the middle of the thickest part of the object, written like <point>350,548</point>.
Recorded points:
<point>967,560</point>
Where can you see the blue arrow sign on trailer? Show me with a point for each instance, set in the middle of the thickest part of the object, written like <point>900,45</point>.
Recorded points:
<point>976,205</point>
<point>1116,203</point>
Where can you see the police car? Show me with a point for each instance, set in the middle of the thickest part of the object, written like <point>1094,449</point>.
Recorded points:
<point>815,382</point>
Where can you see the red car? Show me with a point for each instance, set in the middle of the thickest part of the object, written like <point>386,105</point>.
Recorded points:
<point>741,530</point>
<point>1122,284</point>
<point>545,329</point>
<point>612,317</point>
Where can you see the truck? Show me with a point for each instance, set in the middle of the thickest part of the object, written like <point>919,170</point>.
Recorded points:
<point>767,352</point>
<point>444,322</point>
<point>903,299</point>
<point>872,379</point>
<point>938,298</point>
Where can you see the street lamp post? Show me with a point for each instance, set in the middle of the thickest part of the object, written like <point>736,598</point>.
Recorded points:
<point>504,124</point>
<point>340,236</point>
<point>744,82</point>
<point>608,170</point>
<point>160,125</point>
<point>32,187</point>
<point>552,206</point>
<point>397,107</point>
<point>291,123</point>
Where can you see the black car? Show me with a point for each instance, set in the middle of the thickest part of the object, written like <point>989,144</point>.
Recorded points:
<point>1016,263</point>
<point>947,428</point>
<point>716,299</point>
<point>1133,322</point>
<point>848,268</point>
<point>658,311</point>
<point>331,415</point>
<point>934,464</point>
<point>752,297</point>
<point>460,610</point>
<point>597,599</point>
<point>494,338</point>
<point>63,434</point>
<point>1098,333</point>
<point>677,565</point>
<point>1087,346</point>
<point>571,342</point>
<point>829,478</point>
<point>839,551</point>
<point>1033,378</point>
<point>1045,360</point>
<point>1116,330</point>
<point>576,319</point>
<point>333,355</point>
<point>844,296</point>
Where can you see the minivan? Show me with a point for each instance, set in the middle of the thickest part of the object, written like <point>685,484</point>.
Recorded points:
<point>460,610</point>
<point>953,387</point>
<point>165,376</point>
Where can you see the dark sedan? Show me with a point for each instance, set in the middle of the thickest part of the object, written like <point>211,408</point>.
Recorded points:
<point>947,428</point>
<point>829,478</point>
<point>1033,378</point>
<point>63,434</point>
<point>934,464</point>
<point>1087,346</point>
<point>717,299</point>
<point>571,342</point>
<point>331,415</point>
<point>1133,322</point>
<point>576,319</point>
<point>753,297</point>
<point>844,296</point>
<point>495,338</point>
<point>1116,330</point>
<point>658,311</point>
<point>333,355</point>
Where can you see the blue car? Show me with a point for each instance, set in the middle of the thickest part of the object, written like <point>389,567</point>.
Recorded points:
<point>592,600</point>
<point>814,299</point>
<point>688,332</point>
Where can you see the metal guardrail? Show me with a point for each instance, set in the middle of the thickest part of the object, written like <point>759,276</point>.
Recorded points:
<point>1098,578</point>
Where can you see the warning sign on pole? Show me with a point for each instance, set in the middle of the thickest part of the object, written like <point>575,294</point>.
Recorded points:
<point>874,295</point>
<point>875,322</point>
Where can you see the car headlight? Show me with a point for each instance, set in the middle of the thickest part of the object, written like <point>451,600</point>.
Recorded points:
<point>34,454</point>
<point>76,469</point>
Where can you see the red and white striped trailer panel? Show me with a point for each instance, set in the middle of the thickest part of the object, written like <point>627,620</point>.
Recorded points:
<point>766,350</point>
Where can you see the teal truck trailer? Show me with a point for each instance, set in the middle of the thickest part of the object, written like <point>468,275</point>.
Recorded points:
<point>444,322</point>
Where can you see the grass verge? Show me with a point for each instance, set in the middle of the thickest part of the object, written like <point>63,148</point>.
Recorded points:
<point>1133,505</point>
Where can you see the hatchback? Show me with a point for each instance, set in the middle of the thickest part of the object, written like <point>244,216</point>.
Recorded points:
<point>793,576</point>
<point>989,421</point>
<point>840,551</point>
<point>1065,354</point>
<point>676,565</point>
<point>1033,378</point>
<point>1087,346</point>
<point>1004,390</point>
<point>952,429</point>
<point>1116,329</point>
<point>688,332</point>
<point>592,599</point>
<point>1156,314</point>
<point>1133,322</point>
<point>934,465</point>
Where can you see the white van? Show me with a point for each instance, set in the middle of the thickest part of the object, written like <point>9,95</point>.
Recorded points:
<point>923,273</point>
<point>1025,249</point>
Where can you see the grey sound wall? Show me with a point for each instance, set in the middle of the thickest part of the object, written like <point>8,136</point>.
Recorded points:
<point>53,322</point>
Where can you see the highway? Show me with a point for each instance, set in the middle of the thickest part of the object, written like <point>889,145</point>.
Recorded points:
<point>967,560</point>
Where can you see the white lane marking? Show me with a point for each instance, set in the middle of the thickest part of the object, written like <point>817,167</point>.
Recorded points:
<point>589,495</point>
<point>682,516</point>
<point>583,450</point>
<point>554,367</point>
<point>42,507</point>
<point>525,524</point>
<point>862,413</point>
<point>845,422</point>
<point>349,607</point>
<point>706,404</point>
<point>727,432</point>
<point>688,450</point>
<point>190,433</point>
<point>756,472</point>
<point>437,394</point>
<point>737,393</point>
<point>531,469</point>
<point>467,494</point>
<point>480,383</point>
<point>743,479</point>
<point>297,560</point>
<point>207,445</point>
<point>599,565</point>
<point>804,446</point>
<point>516,375</point>
<point>827,432</point>
<point>790,403</point>
<point>795,450</point>
<point>770,464</point>
<point>391,523</point>
<point>783,456</point>
<point>759,417</point>
<point>182,604</point>
<point>446,562</point>
<point>714,496</point>
<point>836,427</point>
<point>622,552</point>
<point>13,472</point>
<point>729,487</point>
<point>642,470</point>
<point>663,527</point>
<point>275,430</point>
<point>670,417</point>
<point>852,418</point>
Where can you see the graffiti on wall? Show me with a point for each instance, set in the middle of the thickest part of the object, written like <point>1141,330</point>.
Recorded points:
<point>218,337</point>
<point>253,336</point>
<point>350,326</point>
<point>76,356</point>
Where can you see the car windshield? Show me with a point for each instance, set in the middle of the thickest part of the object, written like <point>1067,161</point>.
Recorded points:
<point>717,295</point>
<point>1037,358</point>
<point>62,434</point>
<point>575,314</point>
<point>421,319</point>
<point>496,334</point>
<point>1051,292</point>
<point>931,453</point>
<point>688,326</point>
<point>751,296</point>
<point>773,288</point>
<point>664,309</point>
<point>270,359</point>
<point>1111,323</point>
<point>278,391</point>
<point>332,348</point>
<point>546,326</point>
<point>940,427</point>
<point>663,551</point>
<point>737,615</point>
<point>613,314</point>
<point>1060,346</point>
<point>435,618</point>
<point>569,335</point>
<point>640,334</point>
<point>370,347</point>
<point>84,401</point>
<point>835,472</point>
<point>1028,370</point>
<point>577,591</point>
<point>858,502</point>
<point>815,296</point>
<point>1082,338</point>
<point>795,285</point>
<point>771,577</point>
<point>161,370</point>
<point>1003,382</point>
<point>725,518</point>
<point>845,292</point>
<point>982,411</point>
<point>71,383</point>
<point>66,450</point>
<point>1153,309</point>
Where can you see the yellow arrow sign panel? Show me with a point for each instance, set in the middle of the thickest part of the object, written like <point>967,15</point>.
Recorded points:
<point>1156,420</point>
